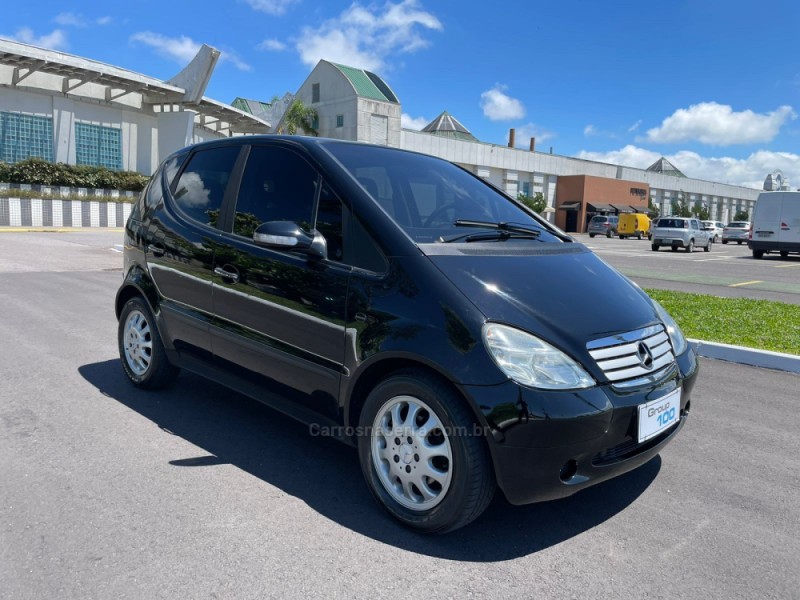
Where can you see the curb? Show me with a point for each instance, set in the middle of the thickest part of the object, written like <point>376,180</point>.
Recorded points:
<point>747,356</point>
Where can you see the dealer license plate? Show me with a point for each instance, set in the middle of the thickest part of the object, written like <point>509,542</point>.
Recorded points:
<point>658,415</point>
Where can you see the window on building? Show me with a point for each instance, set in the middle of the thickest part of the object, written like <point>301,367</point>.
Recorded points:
<point>25,136</point>
<point>98,146</point>
<point>314,92</point>
<point>340,120</point>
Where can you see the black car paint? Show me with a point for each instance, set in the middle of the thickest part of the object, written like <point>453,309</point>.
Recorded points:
<point>427,308</point>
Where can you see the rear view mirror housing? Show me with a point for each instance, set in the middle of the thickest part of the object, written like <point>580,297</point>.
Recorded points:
<point>287,235</point>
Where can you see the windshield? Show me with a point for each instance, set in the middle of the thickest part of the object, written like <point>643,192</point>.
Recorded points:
<point>599,219</point>
<point>426,195</point>
<point>738,225</point>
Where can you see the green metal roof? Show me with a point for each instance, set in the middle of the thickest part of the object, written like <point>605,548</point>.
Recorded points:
<point>367,85</point>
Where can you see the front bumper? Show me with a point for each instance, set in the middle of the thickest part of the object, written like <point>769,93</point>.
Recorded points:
<point>548,445</point>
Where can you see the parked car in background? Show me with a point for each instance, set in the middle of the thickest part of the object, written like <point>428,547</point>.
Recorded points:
<point>633,225</point>
<point>603,225</point>
<point>776,224</point>
<point>400,304</point>
<point>715,228</point>
<point>680,232</point>
<point>736,231</point>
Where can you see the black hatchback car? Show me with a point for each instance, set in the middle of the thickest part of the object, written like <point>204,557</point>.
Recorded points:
<point>404,305</point>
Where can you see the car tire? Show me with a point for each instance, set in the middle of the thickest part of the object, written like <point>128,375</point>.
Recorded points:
<point>441,426</point>
<point>758,254</point>
<point>690,247</point>
<point>591,235</point>
<point>739,242</point>
<point>708,246</point>
<point>141,350</point>
<point>622,237</point>
<point>724,241</point>
<point>674,248</point>
<point>784,253</point>
<point>654,247</point>
<point>639,236</point>
<point>608,235</point>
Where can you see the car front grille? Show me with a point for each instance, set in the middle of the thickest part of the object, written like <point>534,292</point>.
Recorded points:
<point>634,358</point>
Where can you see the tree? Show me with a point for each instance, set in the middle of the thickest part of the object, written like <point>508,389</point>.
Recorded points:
<point>680,208</point>
<point>700,211</point>
<point>299,117</point>
<point>536,203</point>
<point>652,208</point>
<point>741,215</point>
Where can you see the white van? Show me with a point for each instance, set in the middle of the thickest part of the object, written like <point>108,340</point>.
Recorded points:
<point>775,224</point>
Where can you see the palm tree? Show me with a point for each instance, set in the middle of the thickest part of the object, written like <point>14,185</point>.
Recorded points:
<point>298,116</point>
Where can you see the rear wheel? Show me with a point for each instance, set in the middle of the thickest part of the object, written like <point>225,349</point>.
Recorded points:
<point>708,246</point>
<point>591,235</point>
<point>639,235</point>
<point>608,234</point>
<point>141,350</point>
<point>739,242</point>
<point>423,458</point>
<point>784,254</point>
<point>758,254</point>
<point>622,237</point>
<point>654,247</point>
<point>690,246</point>
<point>724,241</point>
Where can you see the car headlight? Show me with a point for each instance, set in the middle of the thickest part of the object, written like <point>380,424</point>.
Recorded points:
<point>679,343</point>
<point>530,361</point>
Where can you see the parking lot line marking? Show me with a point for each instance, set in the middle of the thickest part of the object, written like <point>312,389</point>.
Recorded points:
<point>745,283</point>
<point>786,266</point>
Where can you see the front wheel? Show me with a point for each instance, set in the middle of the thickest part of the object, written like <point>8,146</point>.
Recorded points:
<point>654,247</point>
<point>591,235</point>
<point>739,242</point>
<point>423,456</point>
<point>724,241</point>
<point>144,359</point>
<point>758,254</point>
<point>784,253</point>
<point>708,245</point>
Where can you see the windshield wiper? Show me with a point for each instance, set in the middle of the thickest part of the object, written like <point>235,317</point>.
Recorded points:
<point>503,231</point>
<point>498,234</point>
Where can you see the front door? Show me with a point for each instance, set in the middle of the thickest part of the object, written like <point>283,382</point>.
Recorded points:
<point>280,315</point>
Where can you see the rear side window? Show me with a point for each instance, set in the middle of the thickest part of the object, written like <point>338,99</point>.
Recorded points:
<point>201,186</point>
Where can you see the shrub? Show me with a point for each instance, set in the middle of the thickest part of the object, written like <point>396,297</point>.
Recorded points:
<point>42,172</point>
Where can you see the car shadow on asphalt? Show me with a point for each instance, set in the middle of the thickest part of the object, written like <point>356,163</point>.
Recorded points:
<point>325,474</point>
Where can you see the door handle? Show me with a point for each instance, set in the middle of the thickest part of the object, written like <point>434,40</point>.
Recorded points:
<point>225,274</point>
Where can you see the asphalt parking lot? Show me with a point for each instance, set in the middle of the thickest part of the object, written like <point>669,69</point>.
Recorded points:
<point>727,270</point>
<point>108,491</point>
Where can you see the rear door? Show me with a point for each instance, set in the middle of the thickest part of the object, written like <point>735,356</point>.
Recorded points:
<point>181,238</point>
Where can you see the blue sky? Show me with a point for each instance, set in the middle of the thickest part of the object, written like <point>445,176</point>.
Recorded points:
<point>712,85</point>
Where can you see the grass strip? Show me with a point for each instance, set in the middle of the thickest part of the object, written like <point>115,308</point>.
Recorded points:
<point>760,324</point>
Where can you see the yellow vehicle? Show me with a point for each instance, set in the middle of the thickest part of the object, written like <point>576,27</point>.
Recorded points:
<point>633,225</point>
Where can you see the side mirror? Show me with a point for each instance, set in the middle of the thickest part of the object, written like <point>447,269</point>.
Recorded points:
<point>287,235</point>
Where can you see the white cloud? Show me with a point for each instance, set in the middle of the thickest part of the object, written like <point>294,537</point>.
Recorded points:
<point>68,19</point>
<point>590,130</point>
<point>499,107</point>
<point>55,40</point>
<point>271,7</point>
<point>183,49</point>
<point>272,45</point>
<point>524,134</point>
<point>748,172</point>
<point>718,125</point>
<point>635,126</point>
<point>366,36</point>
<point>415,123</point>
<point>103,20</point>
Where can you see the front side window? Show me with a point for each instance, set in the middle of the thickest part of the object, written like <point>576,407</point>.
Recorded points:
<point>426,196</point>
<point>201,187</point>
<point>277,185</point>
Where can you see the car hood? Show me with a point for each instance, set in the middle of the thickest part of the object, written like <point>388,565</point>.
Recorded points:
<point>562,293</point>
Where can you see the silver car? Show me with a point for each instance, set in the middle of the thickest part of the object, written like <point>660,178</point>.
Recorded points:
<point>680,232</point>
<point>603,225</point>
<point>715,228</point>
<point>736,231</point>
